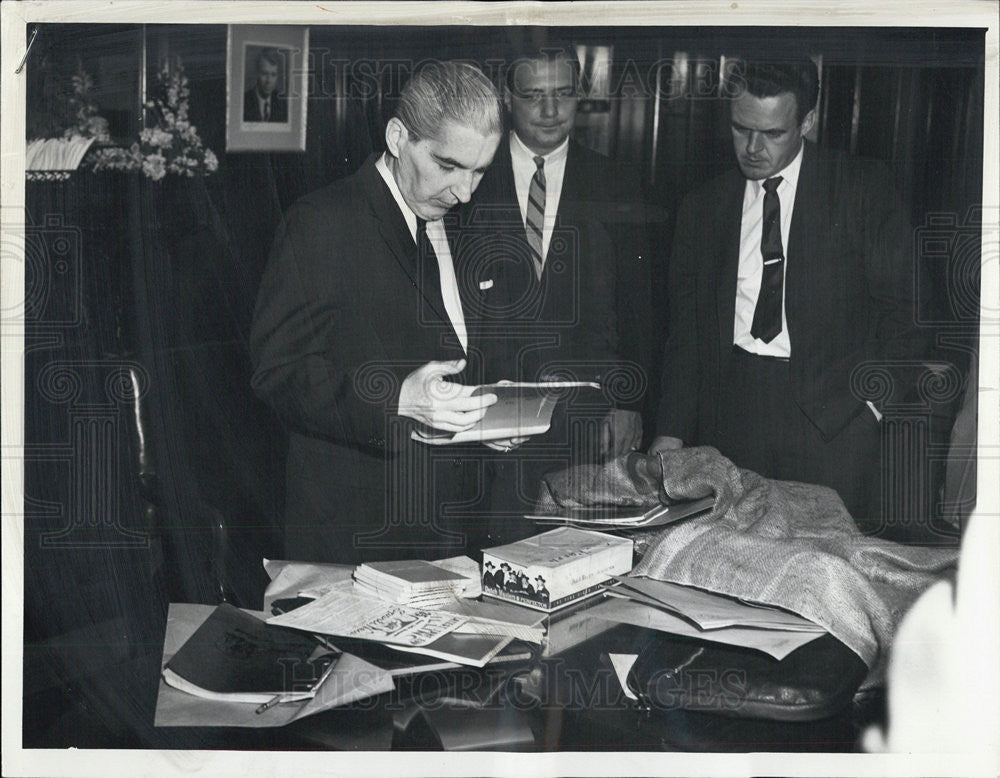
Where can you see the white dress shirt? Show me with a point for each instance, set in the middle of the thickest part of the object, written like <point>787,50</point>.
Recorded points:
<point>263,103</point>
<point>439,241</point>
<point>751,266</point>
<point>523,161</point>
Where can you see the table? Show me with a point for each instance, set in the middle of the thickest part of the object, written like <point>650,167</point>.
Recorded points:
<point>568,700</point>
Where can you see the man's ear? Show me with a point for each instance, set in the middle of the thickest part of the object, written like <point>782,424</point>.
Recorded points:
<point>808,122</point>
<point>506,98</point>
<point>396,136</point>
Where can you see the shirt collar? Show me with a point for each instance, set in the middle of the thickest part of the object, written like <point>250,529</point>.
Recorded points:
<point>518,149</point>
<point>390,181</point>
<point>789,174</point>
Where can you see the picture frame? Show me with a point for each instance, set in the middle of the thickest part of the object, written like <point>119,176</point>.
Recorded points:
<point>266,87</point>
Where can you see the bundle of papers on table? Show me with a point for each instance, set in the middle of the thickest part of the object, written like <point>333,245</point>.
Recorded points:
<point>415,582</point>
<point>691,612</point>
<point>392,611</point>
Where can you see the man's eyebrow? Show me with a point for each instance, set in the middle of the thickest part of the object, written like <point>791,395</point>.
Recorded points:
<point>448,161</point>
<point>739,126</point>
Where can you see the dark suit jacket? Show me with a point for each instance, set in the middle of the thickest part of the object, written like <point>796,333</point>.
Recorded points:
<point>848,293</point>
<point>591,309</point>
<point>346,310</point>
<point>251,107</point>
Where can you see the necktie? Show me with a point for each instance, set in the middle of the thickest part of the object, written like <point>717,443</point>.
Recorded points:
<point>426,259</point>
<point>767,315</point>
<point>267,110</point>
<point>437,273</point>
<point>535,216</point>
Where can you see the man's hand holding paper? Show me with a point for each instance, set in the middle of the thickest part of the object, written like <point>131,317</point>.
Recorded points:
<point>442,405</point>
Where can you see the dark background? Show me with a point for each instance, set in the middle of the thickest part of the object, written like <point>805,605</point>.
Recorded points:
<point>152,474</point>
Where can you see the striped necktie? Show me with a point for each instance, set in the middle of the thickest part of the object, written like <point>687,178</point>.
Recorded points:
<point>535,216</point>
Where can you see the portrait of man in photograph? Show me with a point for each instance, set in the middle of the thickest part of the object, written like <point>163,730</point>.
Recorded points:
<point>265,100</point>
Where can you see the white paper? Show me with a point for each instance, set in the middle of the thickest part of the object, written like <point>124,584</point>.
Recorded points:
<point>342,612</point>
<point>778,643</point>
<point>709,610</point>
<point>622,663</point>
<point>352,679</point>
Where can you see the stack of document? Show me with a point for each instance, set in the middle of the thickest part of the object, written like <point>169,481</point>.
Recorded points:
<point>413,582</point>
<point>471,635</point>
<point>691,612</point>
<point>613,517</point>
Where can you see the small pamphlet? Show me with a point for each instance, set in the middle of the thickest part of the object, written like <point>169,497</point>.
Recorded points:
<point>236,657</point>
<point>521,410</point>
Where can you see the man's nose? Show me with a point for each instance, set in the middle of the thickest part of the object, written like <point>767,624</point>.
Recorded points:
<point>463,187</point>
<point>550,106</point>
<point>754,142</point>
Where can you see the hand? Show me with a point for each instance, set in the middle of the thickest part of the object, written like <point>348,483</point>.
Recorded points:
<point>664,443</point>
<point>621,432</point>
<point>506,445</point>
<point>442,405</point>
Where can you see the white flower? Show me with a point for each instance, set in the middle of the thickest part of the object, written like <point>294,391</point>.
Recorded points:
<point>154,166</point>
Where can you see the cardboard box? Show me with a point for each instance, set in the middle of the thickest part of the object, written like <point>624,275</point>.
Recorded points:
<point>555,568</point>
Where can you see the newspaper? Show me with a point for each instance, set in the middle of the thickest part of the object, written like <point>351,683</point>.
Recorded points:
<point>340,611</point>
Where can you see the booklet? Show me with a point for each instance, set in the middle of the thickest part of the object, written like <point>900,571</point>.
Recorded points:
<point>521,410</point>
<point>236,657</point>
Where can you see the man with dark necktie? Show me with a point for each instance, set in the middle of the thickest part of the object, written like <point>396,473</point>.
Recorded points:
<point>790,277</point>
<point>264,102</point>
<point>567,230</point>
<point>360,338</point>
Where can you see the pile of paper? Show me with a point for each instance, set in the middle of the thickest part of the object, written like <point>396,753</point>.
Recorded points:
<point>472,636</point>
<point>342,612</point>
<point>413,582</point>
<point>684,610</point>
<point>609,517</point>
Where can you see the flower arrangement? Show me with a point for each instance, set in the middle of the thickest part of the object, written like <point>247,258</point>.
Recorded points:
<point>89,123</point>
<point>172,144</point>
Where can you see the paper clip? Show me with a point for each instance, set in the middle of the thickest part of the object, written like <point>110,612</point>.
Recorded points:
<point>27,51</point>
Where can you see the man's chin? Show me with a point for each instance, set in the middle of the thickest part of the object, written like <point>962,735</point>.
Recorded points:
<point>753,172</point>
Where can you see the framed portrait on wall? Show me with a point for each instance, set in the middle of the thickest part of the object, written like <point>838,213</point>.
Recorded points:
<point>266,87</point>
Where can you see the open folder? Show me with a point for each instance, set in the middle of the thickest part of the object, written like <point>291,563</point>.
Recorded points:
<point>521,411</point>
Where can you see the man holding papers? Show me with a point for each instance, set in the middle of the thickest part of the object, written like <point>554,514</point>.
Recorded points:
<point>568,226</point>
<point>360,337</point>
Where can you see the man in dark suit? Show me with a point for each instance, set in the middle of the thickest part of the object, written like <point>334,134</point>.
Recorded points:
<point>571,233</point>
<point>767,347</point>
<point>360,338</point>
<point>263,102</point>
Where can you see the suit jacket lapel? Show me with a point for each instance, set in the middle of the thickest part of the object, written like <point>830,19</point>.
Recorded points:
<point>396,234</point>
<point>574,179</point>
<point>729,225</point>
<point>798,267</point>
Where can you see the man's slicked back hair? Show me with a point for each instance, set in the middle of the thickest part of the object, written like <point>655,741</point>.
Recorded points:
<point>440,92</point>
<point>768,79</point>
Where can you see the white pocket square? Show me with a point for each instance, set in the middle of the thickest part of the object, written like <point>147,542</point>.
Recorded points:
<point>484,285</point>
